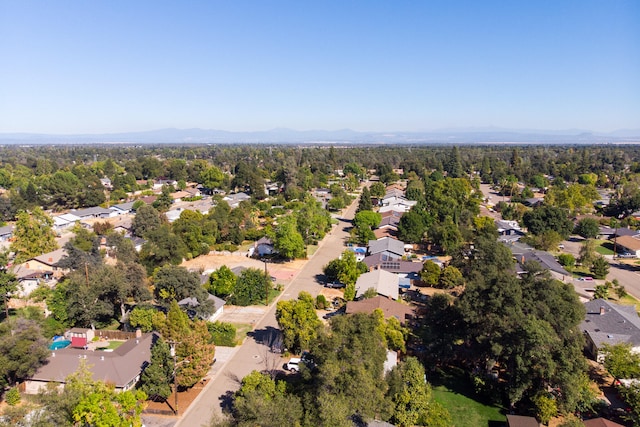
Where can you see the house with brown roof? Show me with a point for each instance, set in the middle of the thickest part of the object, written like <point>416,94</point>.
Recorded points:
<point>390,308</point>
<point>47,262</point>
<point>600,422</point>
<point>629,244</point>
<point>121,367</point>
<point>521,421</point>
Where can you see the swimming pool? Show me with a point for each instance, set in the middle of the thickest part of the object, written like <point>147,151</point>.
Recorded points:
<point>57,345</point>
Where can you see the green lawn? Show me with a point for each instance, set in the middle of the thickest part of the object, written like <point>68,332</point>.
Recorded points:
<point>605,247</point>
<point>451,388</point>
<point>466,412</point>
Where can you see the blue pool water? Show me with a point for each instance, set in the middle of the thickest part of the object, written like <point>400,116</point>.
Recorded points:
<point>57,345</point>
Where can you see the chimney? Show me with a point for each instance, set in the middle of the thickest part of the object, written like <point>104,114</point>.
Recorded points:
<point>50,259</point>
<point>602,310</point>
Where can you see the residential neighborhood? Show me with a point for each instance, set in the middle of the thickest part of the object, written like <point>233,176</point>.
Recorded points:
<point>179,285</point>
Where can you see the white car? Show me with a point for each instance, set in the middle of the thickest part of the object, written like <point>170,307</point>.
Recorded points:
<point>293,365</point>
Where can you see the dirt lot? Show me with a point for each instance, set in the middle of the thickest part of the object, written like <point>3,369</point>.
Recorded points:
<point>283,272</point>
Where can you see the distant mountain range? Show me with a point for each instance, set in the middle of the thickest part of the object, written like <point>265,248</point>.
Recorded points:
<point>489,135</point>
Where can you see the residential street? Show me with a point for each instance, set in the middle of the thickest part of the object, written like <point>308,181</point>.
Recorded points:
<point>254,356</point>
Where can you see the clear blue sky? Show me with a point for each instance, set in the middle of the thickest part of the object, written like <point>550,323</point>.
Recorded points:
<point>110,66</point>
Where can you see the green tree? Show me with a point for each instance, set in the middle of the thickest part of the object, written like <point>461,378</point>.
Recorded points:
<point>567,260</point>
<point>430,273</point>
<point>545,406</point>
<point>212,178</point>
<point>349,358</point>
<point>162,247</point>
<point>146,318</point>
<point>298,322</point>
<point>547,218</point>
<point>412,227</point>
<point>599,267</point>
<point>587,228</point>
<point>377,190</point>
<point>451,277</point>
<point>620,361</point>
<point>156,379</point>
<point>23,349</point>
<point>365,200</point>
<point>263,402</point>
<point>222,282</point>
<point>33,235</point>
<point>173,282</point>
<point>251,288</point>
<point>588,253</point>
<point>412,397</point>
<point>147,218</point>
<point>8,286</point>
<point>288,241</point>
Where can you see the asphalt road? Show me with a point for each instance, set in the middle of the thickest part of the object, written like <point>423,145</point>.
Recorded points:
<point>253,355</point>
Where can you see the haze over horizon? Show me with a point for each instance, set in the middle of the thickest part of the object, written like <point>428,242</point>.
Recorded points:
<point>91,68</point>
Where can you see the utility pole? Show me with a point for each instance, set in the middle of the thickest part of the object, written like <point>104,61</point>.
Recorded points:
<point>175,374</point>
<point>266,283</point>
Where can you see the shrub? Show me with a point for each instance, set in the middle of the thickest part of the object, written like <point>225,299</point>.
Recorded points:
<point>12,397</point>
<point>222,333</point>
<point>321,302</point>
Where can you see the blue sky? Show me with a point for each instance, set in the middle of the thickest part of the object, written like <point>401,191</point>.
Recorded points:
<point>111,66</point>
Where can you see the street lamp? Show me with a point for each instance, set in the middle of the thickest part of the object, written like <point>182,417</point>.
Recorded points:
<point>175,372</point>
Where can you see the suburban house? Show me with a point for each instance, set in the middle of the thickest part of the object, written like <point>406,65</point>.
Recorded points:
<point>393,191</point>
<point>193,192</point>
<point>609,323</point>
<point>383,282</point>
<point>47,262</point>
<point>218,303</point>
<point>264,247</point>
<point>399,204</point>
<point>521,421</point>
<point>524,253</point>
<point>173,214</point>
<point>159,183</point>
<point>628,244</point>
<point>392,265</point>
<point>29,281</point>
<point>600,422</point>
<point>390,308</point>
<point>509,228</point>
<point>6,232</point>
<point>122,225</point>
<point>235,199</point>
<point>122,208</point>
<point>91,213</point>
<point>179,195</point>
<point>392,248</point>
<point>121,367</point>
<point>64,221</point>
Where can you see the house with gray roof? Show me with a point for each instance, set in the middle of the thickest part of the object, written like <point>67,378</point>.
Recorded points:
<point>121,367</point>
<point>525,253</point>
<point>218,304</point>
<point>383,282</point>
<point>91,213</point>
<point>64,221</point>
<point>122,208</point>
<point>392,248</point>
<point>235,199</point>
<point>6,232</point>
<point>609,323</point>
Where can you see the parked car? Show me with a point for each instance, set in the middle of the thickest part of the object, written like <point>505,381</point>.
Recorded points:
<point>626,255</point>
<point>335,285</point>
<point>293,365</point>
<point>586,279</point>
